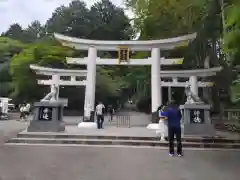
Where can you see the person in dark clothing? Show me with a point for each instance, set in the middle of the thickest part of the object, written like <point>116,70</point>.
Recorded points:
<point>174,116</point>
<point>110,112</point>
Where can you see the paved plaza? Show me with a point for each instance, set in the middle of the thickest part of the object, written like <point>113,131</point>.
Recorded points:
<point>10,128</point>
<point>137,119</point>
<point>114,163</point>
<point>101,163</point>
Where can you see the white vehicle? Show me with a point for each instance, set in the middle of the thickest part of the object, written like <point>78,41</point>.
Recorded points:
<point>11,107</point>
<point>4,107</point>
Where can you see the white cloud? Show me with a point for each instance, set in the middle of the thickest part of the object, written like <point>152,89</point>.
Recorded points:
<point>26,11</point>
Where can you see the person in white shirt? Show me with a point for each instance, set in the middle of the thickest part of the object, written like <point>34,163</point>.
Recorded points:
<point>100,115</point>
<point>22,115</point>
<point>26,110</point>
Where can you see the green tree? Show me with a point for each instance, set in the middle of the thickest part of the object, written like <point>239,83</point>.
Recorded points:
<point>24,80</point>
<point>109,22</point>
<point>102,21</point>
<point>72,20</point>
<point>34,31</point>
<point>166,18</point>
<point>8,48</point>
<point>232,47</point>
<point>232,36</point>
<point>15,31</point>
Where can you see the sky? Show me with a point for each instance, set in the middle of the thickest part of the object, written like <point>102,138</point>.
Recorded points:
<point>26,11</point>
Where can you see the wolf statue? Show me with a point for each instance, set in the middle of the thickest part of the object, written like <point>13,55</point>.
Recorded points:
<point>53,95</point>
<point>191,97</point>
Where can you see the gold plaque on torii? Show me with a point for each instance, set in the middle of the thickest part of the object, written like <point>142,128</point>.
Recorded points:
<point>123,54</point>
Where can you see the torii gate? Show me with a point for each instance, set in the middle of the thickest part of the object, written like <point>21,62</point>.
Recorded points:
<point>56,77</point>
<point>123,48</point>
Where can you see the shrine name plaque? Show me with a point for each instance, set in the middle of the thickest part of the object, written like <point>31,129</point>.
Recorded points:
<point>197,116</point>
<point>123,54</point>
<point>45,113</point>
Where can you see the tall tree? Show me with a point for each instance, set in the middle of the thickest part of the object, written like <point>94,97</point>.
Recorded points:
<point>109,22</point>
<point>232,47</point>
<point>71,20</point>
<point>24,80</point>
<point>15,31</point>
<point>103,21</point>
<point>34,31</point>
<point>8,49</point>
<point>166,18</point>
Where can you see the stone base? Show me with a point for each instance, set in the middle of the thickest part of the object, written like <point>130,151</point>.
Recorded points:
<point>115,138</point>
<point>199,129</point>
<point>91,125</point>
<point>155,126</point>
<point>46,126</point>
<point>155,117</point>
<point>204,126</point>
<point>47,117</point>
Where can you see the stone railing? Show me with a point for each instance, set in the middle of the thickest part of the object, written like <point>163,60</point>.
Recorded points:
<point>232,114</point>
<point>229,120</point>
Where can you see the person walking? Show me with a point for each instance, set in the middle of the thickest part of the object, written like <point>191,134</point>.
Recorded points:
<point>100,115</point>
<point>174,116</point>
<point>21,108</point>
<point>26,110</point>
<point>110,112</point>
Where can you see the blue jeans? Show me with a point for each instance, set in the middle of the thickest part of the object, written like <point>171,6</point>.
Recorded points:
<point>174,131</point>
<point>100,120</point>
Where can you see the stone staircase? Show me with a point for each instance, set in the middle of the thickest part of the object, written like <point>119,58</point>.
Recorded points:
<point>116,140</point>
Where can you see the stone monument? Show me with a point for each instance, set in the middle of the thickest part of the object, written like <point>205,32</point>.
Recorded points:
<point>48,114</point>
<point>196,116</point>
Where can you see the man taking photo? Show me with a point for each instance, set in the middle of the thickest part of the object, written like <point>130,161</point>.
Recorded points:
<point>174,116</point>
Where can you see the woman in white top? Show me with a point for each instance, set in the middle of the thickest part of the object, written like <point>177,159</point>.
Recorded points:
<point>162,123</point>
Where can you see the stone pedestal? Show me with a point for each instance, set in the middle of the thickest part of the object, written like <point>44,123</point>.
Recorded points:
<point>197,120</point>
<point>47,117</point>
<point>155,117</point>
<point>89,125</point>
<point>89,118</point>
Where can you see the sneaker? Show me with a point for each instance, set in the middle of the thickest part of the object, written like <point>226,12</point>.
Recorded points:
<point>179,155</point>
<point>171,154</point>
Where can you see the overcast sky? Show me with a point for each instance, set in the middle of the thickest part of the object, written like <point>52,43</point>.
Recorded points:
<point>26,11</point>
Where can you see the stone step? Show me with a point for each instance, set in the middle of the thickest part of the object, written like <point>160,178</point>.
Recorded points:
<point>138,138</point>
<point>115,142</point>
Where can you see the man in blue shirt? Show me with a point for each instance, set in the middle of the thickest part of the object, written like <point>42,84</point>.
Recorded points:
<point>174,116</point>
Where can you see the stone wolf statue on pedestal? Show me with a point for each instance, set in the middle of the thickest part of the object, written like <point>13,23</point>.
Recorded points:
<point>191,97</point>
<point>53,95</point>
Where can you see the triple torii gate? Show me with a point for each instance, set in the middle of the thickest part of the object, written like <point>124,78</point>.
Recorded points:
<point>124,48</point>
